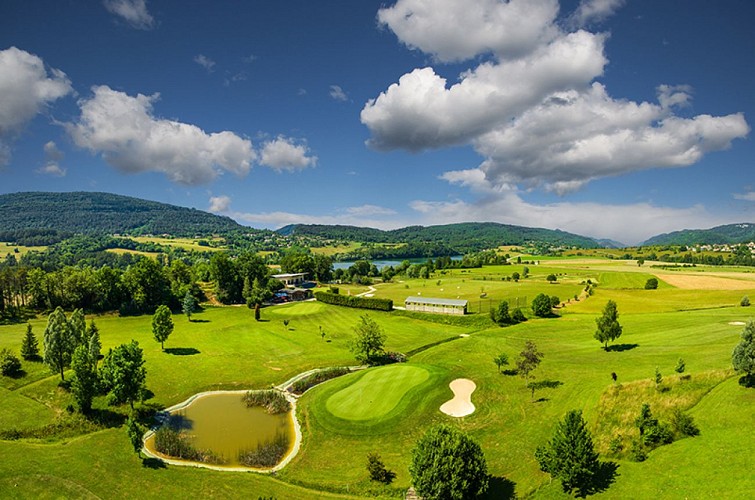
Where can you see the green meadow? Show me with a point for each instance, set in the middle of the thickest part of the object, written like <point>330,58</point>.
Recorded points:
<point>54,453</point>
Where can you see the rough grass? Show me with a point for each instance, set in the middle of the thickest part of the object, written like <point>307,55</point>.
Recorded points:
<point>273,401</point>
<point>620,404</point>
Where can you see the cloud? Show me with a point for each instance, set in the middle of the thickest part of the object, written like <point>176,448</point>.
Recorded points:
<point>593,11</point>
<point>748,196</point>
<point>204,61</point>
<point>283,153</point>
<point>220,204</point>
<point>134,12</point>
<point>532,109</point>
<point>577,136</point>
<point>129,137</point>
<point>421,112</point>
<point>53,156</point>
<point>366,210</point>
<point>26,87</point>
<point>337,93</point>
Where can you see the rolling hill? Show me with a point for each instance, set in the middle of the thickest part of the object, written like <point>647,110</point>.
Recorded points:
<point>728,234</point>
<point>92,212</point>
<point>468,236</point>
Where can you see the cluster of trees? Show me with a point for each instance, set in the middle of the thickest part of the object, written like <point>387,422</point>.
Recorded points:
<point>501,316</point>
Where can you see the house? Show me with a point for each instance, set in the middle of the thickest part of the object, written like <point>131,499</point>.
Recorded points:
<point>291,279</point>
<point>291,295</point>
<point>437,306</point>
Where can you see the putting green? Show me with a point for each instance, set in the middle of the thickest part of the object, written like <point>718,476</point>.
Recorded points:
<point>376,393</point>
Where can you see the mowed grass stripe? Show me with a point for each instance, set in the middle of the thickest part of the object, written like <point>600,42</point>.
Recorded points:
<point>376,393</point>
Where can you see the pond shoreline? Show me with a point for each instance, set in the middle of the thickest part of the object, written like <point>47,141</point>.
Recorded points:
<point>163,415</point>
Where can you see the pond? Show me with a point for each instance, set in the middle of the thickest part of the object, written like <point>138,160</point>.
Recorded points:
<point>381,263</point>
<point>220,427</point>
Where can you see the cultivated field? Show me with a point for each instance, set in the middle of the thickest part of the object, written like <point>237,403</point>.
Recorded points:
<point>385,410</point>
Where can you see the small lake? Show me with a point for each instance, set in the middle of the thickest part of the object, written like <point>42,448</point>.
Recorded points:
<point>380,264</point>
<point>223,424</point>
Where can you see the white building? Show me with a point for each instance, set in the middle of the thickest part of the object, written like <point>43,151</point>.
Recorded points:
<point>291,279</point>
<point>437,306</point>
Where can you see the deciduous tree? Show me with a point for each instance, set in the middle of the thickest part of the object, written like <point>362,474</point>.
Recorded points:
<point>84,383</point>
<point>448,464</point>
<point>609,328</point>
<point>369,341</point>
<point>529,360</point>
<point>162,325</point>
<point>123,373</point>
<point>59,342</point>
<point>743,356</point>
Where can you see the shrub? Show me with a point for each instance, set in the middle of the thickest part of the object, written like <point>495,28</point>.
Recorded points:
<point>357,302</point>
<point>684,424</point>
<point>301,385</point>
<point>266,454</point>
<point>745,302</point>
<point>541,306</point>
<point>651,284</point>
<point>273,401</point>
<point>10,365</point>
<point>637,452</point>
<point>518,316</point>
<point>388,358</point>
<point>378,471</point>
<point>555,301</point>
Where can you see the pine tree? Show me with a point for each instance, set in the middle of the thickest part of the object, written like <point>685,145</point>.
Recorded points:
<point>95,346</point>
<point>189,304</point>
<point>30,345</point>
<point>570,455</point>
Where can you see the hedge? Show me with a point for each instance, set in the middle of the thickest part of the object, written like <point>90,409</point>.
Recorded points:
<point>352,301</point>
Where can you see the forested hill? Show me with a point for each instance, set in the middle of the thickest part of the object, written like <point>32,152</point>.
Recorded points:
<point>85,212</point>
<point>728,234</point>
<point>468,236</point>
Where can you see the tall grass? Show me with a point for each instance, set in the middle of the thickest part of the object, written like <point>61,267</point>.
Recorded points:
<point>273,401</point>
<point>266,454</point>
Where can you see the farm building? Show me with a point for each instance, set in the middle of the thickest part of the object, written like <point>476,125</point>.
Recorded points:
<point>291,279</point>
<point>438,306</point>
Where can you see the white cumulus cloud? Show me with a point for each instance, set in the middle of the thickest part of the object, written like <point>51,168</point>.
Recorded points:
<point>366,210</point>
<point>453,30</point>
<point>129,137</point>
<point>26,88</point>
<point>531,106</point>
<point>284,153</point>
<point>593,11</point>
<point>53,156</point>
<point>220,204</point>
<point>134,12</point>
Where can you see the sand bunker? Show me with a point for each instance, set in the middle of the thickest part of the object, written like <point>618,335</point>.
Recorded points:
<point>461,405</point>
<point>737,323</point>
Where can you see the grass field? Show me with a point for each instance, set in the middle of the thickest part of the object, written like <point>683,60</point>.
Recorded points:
<point>185,243</point>
<point>386,409</point>
<point>10,248</point>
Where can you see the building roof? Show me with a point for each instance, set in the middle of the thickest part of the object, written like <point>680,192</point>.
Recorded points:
<point>289,275</point>
<point>436,302</point>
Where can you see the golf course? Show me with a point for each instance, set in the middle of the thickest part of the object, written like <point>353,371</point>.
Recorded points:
<point>50,451</point>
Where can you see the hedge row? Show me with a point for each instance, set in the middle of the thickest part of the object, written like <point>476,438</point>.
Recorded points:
<point>352,301</point>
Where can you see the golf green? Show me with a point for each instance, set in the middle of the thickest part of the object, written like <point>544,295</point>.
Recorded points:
<point>376,393</point>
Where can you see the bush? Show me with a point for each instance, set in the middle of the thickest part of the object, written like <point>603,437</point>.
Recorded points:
<point>378,471</point>
<point>651,284</point>
<point>518,316</point>
<point>637,452</point>
<point>273,401</point>
<point>357,302</point>
<point>301,385</point>
<point>745,302</point>
<point>387,358</point>
<point>684,425</point>
<point>10,365</point>
<point>541,306</point>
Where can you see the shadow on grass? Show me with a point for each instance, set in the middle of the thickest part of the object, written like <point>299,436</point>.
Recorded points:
<point>106,418</point>
<point>500,488</point>
<point>153,463</point>
<point>604,477</point>
<point>511,372</point>
<point>747,381</point>
<point>182,351</point>
<point>199,320</point>
<point>621,347</point>
<point>17,375</point>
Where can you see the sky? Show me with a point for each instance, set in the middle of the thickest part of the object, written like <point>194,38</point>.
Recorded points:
<point>618,119</point>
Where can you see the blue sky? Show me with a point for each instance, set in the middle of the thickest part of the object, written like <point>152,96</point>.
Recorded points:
<point>608,118</point>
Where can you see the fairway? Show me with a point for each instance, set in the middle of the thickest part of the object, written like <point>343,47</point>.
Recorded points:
<point>376,393</point>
